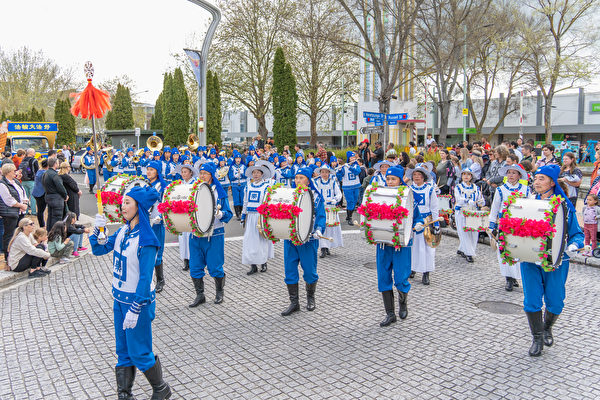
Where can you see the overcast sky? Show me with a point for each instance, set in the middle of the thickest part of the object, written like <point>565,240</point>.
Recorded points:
<point>133,37</point>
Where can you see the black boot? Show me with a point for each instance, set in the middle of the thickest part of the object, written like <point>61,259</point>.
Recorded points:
<point>219,285</point>
<point>412,274</point>
<point>537,331</point>
<point>469,259</point>
<point>199,286</point>
<point>549,320</point>
<point>323,253</point>
<point>310,296</point>
<point>91,188</point>
<point>509,284</point>
<point>402,309</point>
<point>263,267</point>
<point>515,282</point>
<point>327,251</point>
<point>425,279</point>
<point>388,304</point>
<point>160,388</point>
<point>294,303</point>
<point>160,278</point>
<point>238,212</point>
<point>125,378</point>
<point>253,269</point>
<point>186,265</point>
<point>349,217</point>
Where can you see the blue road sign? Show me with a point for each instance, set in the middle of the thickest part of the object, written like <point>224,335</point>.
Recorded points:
<point>397,117</point>
<point>374,115</point>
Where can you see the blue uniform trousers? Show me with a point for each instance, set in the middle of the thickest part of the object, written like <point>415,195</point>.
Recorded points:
<point>351,198</point>
<point>549,286</point>
<point>237,193</point>
<point>134,346</point>
<point>91,173</point>
<point>399,261</point>
<point>106,174</point>
<point>207,252</point>
<point>306,255</point>
<point>159,231</point>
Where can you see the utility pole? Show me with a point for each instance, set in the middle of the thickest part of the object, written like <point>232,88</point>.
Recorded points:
<point>465,115</point>
<point>343,111</point>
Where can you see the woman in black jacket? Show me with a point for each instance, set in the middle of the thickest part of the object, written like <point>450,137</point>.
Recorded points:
<point>71,186</point>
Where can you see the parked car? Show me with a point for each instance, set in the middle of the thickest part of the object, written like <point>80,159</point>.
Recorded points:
<point>77,163</point>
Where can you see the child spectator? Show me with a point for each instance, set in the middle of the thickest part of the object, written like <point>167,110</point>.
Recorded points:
<point>591,214</point>
<point>75,233</point>
<point>24,255</point>
<point>59,245</point>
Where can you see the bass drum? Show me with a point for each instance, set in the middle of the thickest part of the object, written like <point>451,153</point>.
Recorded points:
<point>198,219</point>
<point>526,249</point>
<point>282,229</point>
<point>382,230</point>
<point>112,193</point>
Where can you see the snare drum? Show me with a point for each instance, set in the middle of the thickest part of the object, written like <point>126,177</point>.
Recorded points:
<point>527,249</point>
<point>189,208</point>
<point>444,204</point>
<point>297,228</point>
<point>475,220</point>
<point>112,193</point>
<point>331,215</point>
<point>388,231</point>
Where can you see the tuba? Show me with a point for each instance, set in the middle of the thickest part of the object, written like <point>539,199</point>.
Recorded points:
<point>154,143</point>
<point>107,158</point>
<point>432,240</point>
<point>222,172</point>
<point>193,142</point>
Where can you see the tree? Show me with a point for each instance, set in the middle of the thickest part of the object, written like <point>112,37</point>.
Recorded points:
<point>157,119</point>
<point>3,118</point>
<point>29,79</point>
<point>385,30</point>
<point>555,38</point>
<point>66,122</point>
<point>244,48</point>
<point>285,102</point>
<point>213,109</point>
<point>319,65</point>
<point>176,118</point>
<point>121,115</point>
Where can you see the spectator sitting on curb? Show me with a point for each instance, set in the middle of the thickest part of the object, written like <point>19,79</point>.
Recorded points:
<point>75,233</point>
<point>59,245</point>
<point>24,255</point>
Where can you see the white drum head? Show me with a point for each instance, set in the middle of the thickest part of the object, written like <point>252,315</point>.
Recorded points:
<point>138,182</point>
<point>205,201</point>
<point>559,240</point>
<point>407,202</point>
<point>305,221</point>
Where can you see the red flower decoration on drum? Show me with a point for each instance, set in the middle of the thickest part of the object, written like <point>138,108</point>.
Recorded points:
<point>279,210</point>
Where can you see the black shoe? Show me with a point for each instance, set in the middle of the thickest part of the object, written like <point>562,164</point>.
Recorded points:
<point>327,251</point>
<point>402,309</point>
<point>160,278</point>
<point>294,303</point>
<point>37,274</point>
<point>388,304</point>
<point>199,287</point>
<point>310,296</point>
<point>460,253</point>
<point>186,265</point>
<point>323,253</point>
<point>515,282</point>
<point>509,284</point>
<point>425,279</point>
<point>536,325</point>
<point>549,320</point>
<point>349,217</point>
<point>125,378</point>
<point>219,285</point>
<point>45,270</point>
<point>412,274</point>
<point>160,388</point>
<point>469,259</point>
<point>253,269</point>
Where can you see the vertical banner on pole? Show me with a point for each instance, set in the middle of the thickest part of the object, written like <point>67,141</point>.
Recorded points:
<point>521,95</point>
<point>196,63</point>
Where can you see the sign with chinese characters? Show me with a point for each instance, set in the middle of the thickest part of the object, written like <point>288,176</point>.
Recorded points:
<point>24,127</point>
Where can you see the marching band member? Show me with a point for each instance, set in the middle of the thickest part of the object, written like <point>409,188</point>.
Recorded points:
<point>212,156</point>
<point>329,189</point>
<point>397,261</point>
<point>539,286</point>
<point>305,254</point>
<point>89,160</point>
<point>144,162</point>
<point>284,173</point>
<point>255,248</point>
<point>237,177</point>
<point>134,248</point>
<point>188,173</point>
<point>174,166</point>
<point>209,252</point>
<point>348,175</point>
<point>223,174</point>
<point>513,173</point>
<point>251,156</point>
<point>158,227</point>
<point>128,165</point>
<point>380,169</point>
<point>424,192</point>
<point>298,163</point>
<point>166,162</point>
<point>466,195</point>
<point>106,174</point>
<point>116,163</point>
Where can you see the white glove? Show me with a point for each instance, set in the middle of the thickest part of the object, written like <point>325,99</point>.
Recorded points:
<point>317,234</point>
<point>587,248</point>
<point>131,319</point>
<point>419,227</point>
<point>155,220</point>
<point>100,221</point>
<point>471,203</point>
<point>219,214</point>
<point>572,248</point>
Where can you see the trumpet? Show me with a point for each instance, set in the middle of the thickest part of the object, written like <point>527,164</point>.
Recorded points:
<point>135,159</point>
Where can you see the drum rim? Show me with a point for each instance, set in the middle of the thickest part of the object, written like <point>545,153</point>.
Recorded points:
<point>212,221</point>
<point>312,217</point>
<point>564,235</point>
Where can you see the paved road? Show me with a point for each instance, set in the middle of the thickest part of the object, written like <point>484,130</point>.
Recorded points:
<point>57,335</point>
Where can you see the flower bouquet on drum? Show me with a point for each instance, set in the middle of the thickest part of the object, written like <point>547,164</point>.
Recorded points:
<point>188,208</point>
<point>113,191</point>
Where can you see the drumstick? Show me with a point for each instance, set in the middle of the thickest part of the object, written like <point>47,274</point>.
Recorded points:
<point>489,232</point>
<point>326,238</point>
<point>431,222</point>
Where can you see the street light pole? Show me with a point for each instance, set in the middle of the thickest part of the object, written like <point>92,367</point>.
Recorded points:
<point>465,82</point>
<point>343,111</point>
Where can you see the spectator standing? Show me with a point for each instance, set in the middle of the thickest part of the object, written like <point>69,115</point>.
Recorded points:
<point>571,176</point>
<point>67,154</point>
<point>24,255</point>
<point>465,158</point>
<point>377,155</point>
<point>444,172</point>
<point>7,158</point>
<point>527,150</point>
<point>321,152</point>
<point>297,149</point>
<point>38,193</point>
<point>429,140</point>
<point>493,176</point>
<point>364,152</point>
<point>17,158</point>
<point>55,193</point>
<point>71,187</point>
<point>13,204</point>
<point>485,144</point>
<point>29,167</point>
<point>547,156</point>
